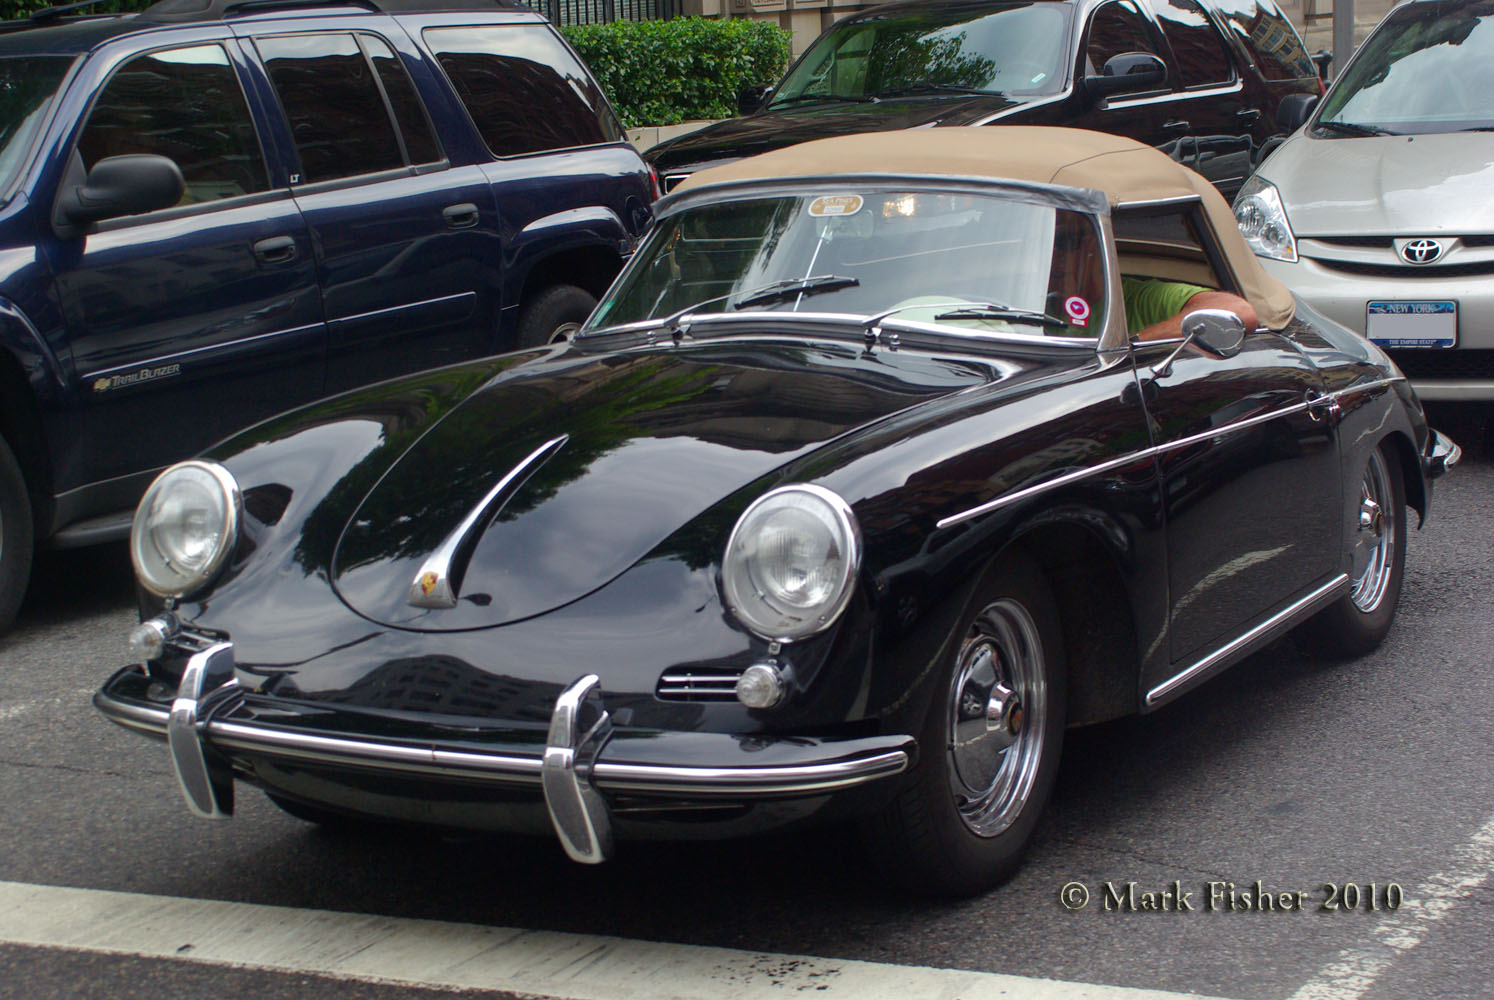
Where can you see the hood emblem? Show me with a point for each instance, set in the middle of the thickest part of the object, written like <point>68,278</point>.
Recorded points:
<point>440,577</point>
<point>1422,251</point>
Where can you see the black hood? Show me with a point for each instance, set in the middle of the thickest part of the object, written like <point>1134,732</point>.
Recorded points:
<point>651,440</point>
<point>774,129</point>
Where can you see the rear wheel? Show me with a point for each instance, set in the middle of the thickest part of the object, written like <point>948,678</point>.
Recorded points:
<point>989,750</point>
<point>555,314</point>
<point>16,540</point>
<point>1357,622</point>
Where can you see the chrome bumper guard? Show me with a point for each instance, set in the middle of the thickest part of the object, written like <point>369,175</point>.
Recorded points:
<point>580,762</point>
<point>1444,455</point>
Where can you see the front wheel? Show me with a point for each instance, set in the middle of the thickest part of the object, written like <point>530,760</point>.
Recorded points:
<point>555,314</point>
<point>989,750</point>
<point>15,537</point>
<point>1357,622</point>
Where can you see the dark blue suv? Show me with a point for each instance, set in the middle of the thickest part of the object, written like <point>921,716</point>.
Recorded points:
<point>214,211</point>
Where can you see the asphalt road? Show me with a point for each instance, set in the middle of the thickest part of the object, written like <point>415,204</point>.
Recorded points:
<point>1287,770</point>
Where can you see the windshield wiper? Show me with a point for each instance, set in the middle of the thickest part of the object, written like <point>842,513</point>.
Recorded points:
<point>992,311</point>
<point>780,290</point>
<point>1351,128</point>
<point>934,88</point>
<point>829,98</point>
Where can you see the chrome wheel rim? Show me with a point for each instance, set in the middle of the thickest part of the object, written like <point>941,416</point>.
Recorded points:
<point>1374,537</point>
<point>997,714</point>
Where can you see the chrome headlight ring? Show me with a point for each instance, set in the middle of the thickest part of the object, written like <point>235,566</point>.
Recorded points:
<point>186,526</point>
<point>791,562</point>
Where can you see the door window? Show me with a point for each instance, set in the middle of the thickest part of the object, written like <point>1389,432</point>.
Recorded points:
<point>185,104</point>
<point>335,102</point>
<point>523,87</point>
<point>414,127</point>
<point>1116,28</point>
<point>1197,46</point>
<point>1269,38</point>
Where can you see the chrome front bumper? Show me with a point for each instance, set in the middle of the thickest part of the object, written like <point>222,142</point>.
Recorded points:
<point>583,761</point>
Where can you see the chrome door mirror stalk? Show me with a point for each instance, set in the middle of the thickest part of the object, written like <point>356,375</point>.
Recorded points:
<point>1218,331</point>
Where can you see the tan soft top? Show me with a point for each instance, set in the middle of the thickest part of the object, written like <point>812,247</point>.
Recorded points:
<point>1122,169</point>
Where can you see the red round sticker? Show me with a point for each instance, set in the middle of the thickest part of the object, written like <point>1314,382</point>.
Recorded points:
<point>1077,309</point>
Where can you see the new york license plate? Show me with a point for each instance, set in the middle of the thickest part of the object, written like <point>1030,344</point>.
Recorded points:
<point>1412,324</point>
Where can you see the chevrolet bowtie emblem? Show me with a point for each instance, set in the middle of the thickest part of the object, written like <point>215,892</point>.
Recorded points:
<point>428,583</point>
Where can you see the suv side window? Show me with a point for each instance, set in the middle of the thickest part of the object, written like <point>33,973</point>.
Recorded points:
<point>1203,60</point>
<point>1115,28</point>
<point>185,104</point>
<point>1269,38</point>
<point>525,90</point>
<point>335,101</point>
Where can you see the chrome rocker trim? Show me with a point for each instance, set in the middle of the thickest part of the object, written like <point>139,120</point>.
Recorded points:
<point>570,773</point>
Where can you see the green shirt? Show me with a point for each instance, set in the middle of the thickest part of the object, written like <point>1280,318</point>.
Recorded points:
<point>1151,300</point>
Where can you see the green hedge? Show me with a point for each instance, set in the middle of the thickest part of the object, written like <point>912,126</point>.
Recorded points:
<point>13,9</point>
<point>666,72</point>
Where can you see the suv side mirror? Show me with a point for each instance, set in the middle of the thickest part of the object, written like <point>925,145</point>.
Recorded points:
<point>1294,110</point>
<point>1322,59</point>
<point>121,185</point>
<point>1128,72</point>
<point>753,99</point>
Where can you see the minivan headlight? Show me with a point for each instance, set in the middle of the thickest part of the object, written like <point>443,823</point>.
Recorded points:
<point>790,562</point>
<point>1263,221</point>
<point>185,527</point>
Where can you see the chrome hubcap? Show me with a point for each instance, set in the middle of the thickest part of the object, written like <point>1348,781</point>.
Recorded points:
<point>996,715</point>
<point>1375,541</point>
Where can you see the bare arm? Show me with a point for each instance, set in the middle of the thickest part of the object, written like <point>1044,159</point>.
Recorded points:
<point>1172,327</point>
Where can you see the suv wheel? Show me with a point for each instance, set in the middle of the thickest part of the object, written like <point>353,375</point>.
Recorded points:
<point>554,315</point>
<point>15,536</point>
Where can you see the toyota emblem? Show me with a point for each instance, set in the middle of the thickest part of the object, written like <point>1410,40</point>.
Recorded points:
<point>1422,251</point>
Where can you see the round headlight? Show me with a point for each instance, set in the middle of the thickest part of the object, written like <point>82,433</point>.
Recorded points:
<point>185,527</point>
<point>790,562</point>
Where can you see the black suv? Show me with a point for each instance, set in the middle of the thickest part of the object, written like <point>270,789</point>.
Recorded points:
<point>213,211</point>
<point>1201,80</point>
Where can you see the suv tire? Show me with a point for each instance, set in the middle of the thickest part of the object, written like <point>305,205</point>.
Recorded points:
<point>15,536</point>
<point>554,314</point>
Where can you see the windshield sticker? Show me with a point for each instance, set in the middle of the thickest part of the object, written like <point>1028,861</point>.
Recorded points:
<point>828,205</point>
<point>1078,310</point>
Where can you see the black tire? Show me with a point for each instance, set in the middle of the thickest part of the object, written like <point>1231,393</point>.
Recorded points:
<point>16,537</point>
<point>554,314</point>
<point>1357,622</point>
<point>937,837</point>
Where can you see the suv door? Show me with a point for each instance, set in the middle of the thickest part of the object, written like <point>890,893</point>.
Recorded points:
<point>407,243</point>
<point>1211,94</point>
<point>172,313</point>
<point>1151,116</point>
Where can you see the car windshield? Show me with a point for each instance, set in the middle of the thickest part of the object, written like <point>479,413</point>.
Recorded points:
<point>1430,68</point>
<point>974,262</point>
<point>1006,49</point>
<point>27,85</point>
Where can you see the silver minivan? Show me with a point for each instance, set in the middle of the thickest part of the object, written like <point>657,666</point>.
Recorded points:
<point>1379,211</point>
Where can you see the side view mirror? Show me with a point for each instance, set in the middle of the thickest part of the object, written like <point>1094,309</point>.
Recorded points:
<point>1217,331</point>
<point>1127,73</point>
<point>1322,59</point>
<point>753,99</point>
<point>121,185</point>
<point>1294,110</point>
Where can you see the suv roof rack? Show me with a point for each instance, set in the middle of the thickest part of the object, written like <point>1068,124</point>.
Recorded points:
<point>217,10</point>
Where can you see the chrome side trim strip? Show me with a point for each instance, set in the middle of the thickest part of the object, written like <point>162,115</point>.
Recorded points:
<point>1231,650</point>
<point>405,307</point>
<point>433,586</point>
<point>1156,450</point>
<point>179,356</point>
<point>1116,463</point>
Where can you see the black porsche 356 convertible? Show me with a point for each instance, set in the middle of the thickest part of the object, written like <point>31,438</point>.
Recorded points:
<point>853,493</point>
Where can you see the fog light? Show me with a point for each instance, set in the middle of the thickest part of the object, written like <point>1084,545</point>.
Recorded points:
<point>760,686</point>
<point>148,639</point>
